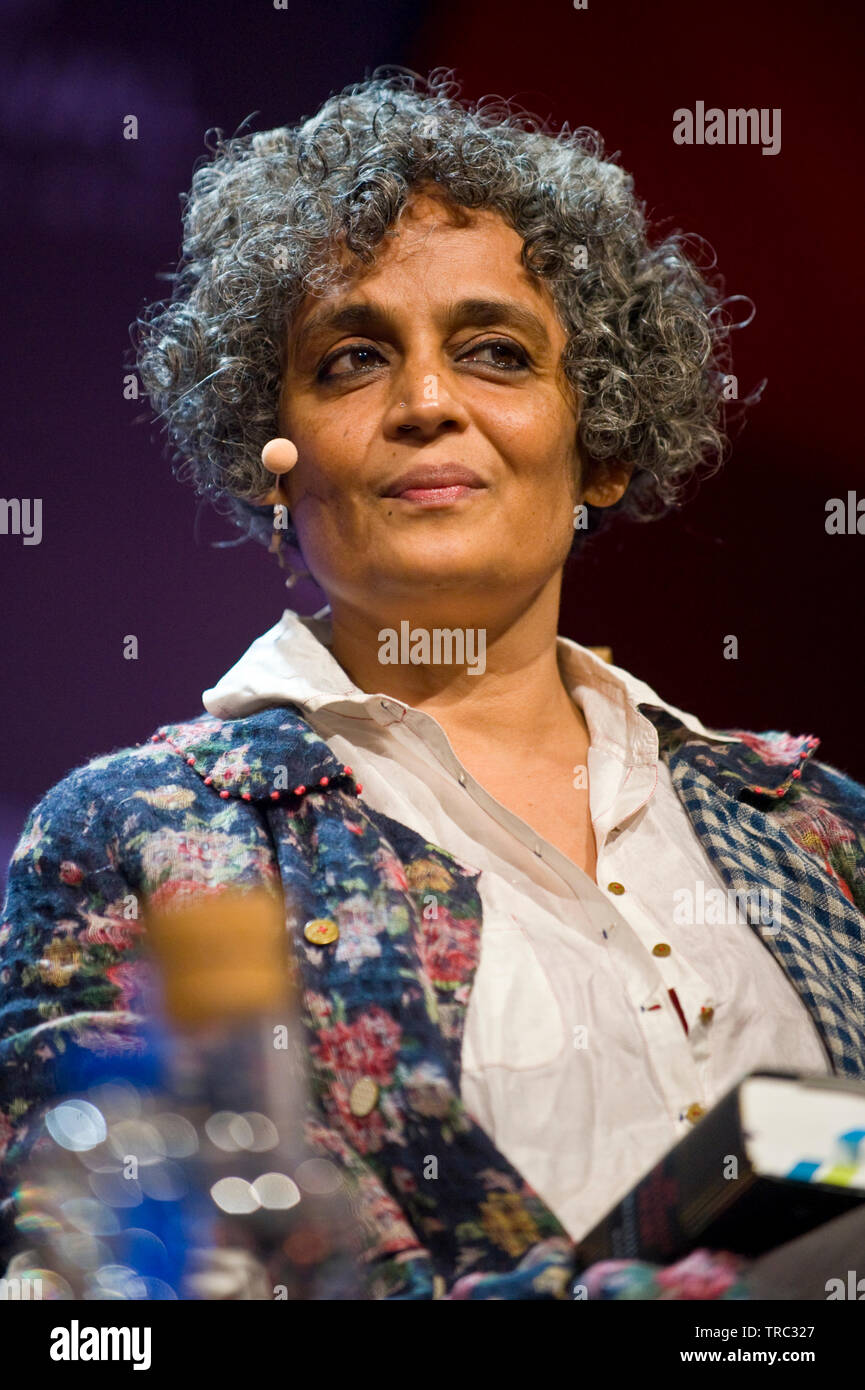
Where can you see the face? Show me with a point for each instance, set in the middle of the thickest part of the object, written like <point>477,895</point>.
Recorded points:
<point>436,434</point>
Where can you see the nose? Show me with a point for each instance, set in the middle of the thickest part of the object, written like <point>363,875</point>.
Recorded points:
<point>425,403</point>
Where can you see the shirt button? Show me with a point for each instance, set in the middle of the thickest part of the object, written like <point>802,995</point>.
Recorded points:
<point>615,888</point>
<point>707,1013</point>
<point>462,779</point>
<point>694,1112</point>
<point>363,1097</point>
<point>321,931</point>
<point>661,949</point>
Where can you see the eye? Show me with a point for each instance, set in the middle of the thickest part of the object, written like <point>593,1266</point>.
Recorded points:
<point>364,354</point>
<point>508,356</point>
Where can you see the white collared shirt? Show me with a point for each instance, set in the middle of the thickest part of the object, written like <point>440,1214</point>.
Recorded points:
<point>575,1059</point>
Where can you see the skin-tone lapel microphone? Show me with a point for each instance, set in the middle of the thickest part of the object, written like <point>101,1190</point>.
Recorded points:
<point>279,456</point>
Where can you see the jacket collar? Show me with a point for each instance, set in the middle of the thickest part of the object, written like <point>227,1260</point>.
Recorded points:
<point>270,756</point>
<point>275,755</point>
<point>752,765</point>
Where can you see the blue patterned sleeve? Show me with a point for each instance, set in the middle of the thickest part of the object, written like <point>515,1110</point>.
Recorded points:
<point>69,969</point>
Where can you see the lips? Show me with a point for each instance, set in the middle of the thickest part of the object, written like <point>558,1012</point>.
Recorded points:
<point>432,478</point>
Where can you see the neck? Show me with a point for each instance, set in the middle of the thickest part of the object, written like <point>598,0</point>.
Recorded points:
<point>519,688</point>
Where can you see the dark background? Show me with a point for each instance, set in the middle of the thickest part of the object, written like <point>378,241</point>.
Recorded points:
<point>91,220</point>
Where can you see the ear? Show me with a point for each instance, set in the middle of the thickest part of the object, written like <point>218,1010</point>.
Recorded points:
<point>607,482</point>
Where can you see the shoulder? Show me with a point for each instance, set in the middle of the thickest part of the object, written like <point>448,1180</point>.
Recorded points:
<point>772,769</point>
<point>193,772</point>
<point>834,782</point>
<point>794,759</point>
<point>116,808</point>
<point>136,809</point>
<point>104,782</point>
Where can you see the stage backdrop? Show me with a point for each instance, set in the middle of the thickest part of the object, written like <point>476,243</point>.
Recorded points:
<point>92,220</point>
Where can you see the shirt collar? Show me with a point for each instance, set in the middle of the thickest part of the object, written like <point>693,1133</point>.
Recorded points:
<point>292,663</point>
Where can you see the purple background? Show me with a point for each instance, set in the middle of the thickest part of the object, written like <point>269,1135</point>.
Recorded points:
<point>92,220</point>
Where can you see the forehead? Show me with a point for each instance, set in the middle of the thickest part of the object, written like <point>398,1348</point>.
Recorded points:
<point>441,250</point>
<point>430,220</point>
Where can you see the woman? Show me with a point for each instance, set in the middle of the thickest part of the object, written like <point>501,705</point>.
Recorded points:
<point>425,345</point>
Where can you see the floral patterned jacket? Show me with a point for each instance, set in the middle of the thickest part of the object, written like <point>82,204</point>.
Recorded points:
<point>208,805</point>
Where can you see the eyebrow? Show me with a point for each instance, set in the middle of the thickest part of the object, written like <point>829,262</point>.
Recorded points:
<point>375,321</point>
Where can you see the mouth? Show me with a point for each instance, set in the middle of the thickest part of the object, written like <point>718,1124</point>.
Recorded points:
<point>435,496</point>
<point>435,486</point>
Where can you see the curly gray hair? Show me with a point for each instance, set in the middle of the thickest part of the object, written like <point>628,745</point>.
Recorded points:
<point>647,341</point>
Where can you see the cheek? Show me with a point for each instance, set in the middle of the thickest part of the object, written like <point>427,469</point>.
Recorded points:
<point>334,435</point>
<point>537,432</point>
<point>329,458</point>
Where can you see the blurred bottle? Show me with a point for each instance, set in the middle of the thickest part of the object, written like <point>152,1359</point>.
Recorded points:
<point>183,1172</point>
<point>262,1203</point>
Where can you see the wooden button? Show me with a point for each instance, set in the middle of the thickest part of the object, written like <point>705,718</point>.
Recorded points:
<point>694,1112</point>
<point>662,949</point>
<point>321,931</point>
<point>363,1097</point>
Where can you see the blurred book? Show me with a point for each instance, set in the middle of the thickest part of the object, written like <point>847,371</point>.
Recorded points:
<point>779,1155</point>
